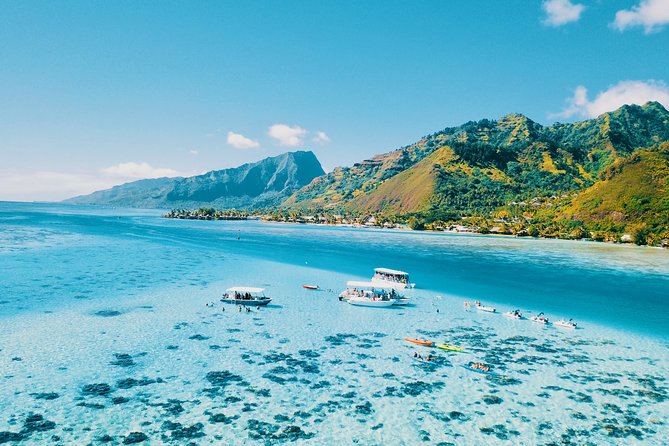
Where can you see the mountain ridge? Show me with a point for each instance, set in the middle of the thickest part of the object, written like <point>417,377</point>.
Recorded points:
<point>260,184</point>
<point>493,162</point>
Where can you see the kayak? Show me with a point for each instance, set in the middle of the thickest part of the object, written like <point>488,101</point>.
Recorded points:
<point>483,372</point>
<point>450,348</point>
<point>310,287</point>
<point>513,314</point>
<point>420,342</point>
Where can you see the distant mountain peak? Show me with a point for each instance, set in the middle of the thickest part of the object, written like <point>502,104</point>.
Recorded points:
<point>257,184</point>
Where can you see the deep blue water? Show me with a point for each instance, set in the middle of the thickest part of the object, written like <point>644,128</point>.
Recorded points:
<point>621,286</point>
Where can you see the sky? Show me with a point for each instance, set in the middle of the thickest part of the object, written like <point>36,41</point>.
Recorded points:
<point>96,93</point>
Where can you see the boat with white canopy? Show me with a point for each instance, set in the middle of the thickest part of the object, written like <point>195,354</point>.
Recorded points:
<point>371,294</point>
<point>398,279</point>
<point>244,295</point>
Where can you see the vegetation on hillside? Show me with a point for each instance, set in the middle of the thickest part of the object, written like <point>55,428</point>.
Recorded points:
<point>600,178</point>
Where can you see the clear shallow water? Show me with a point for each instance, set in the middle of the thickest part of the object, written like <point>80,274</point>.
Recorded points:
<point>105,332</point>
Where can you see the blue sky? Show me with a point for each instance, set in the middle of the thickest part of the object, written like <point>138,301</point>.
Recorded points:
<point>95,93</point>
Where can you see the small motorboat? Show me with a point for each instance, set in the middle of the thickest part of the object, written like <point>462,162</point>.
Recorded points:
<point>249,296</point>
<point>565,324</point>
<point>450,348</point>
<point>540,319</point>
<point>479,367</point>
<point>484,308</point>
<point>420,342</point>
<point>310,287</point>
<point>515,314</point>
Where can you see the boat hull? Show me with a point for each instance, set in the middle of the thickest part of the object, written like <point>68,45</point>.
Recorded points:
<point>247,302</point>
<point>486,309</point>
<point>566,325</point>
<point>396,285</point>
<point>371,303</point>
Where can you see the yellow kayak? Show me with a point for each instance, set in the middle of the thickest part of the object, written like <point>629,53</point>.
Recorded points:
<point>450,348</point>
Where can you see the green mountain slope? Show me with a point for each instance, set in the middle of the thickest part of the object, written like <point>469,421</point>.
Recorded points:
<point>261,184</point>
<point>480,166</point>
<point>632,198</point>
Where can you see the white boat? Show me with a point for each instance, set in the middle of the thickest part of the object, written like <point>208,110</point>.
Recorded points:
<point>515,314</point>
<point>243,295</point>
<point>397,279</point>
<point>484,308</point>
<point>565,324</point>
<point>364,291</point>
<point>540,319</point>
<point>367,301</point>
<point>402,301</point>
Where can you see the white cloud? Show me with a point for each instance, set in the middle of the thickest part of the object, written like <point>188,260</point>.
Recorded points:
<point>132,170</point>
<point>239,141</point>
<point>56,186</point>
<point>286,135</point>
<point>651,14</point>
<point>193,152</point>
<point>321,137</point>
<point>624,92</point>
<point>561,12</point>
<point>48,186</point>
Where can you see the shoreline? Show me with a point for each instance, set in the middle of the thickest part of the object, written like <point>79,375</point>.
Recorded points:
<point>405,229</point>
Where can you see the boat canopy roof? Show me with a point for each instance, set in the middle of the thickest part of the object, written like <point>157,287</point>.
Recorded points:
<point>393,272</point>
<point>375,285</point>
<point>245,289</point>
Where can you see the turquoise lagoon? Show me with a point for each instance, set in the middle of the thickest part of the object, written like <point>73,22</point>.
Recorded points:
<point>105,336</point>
